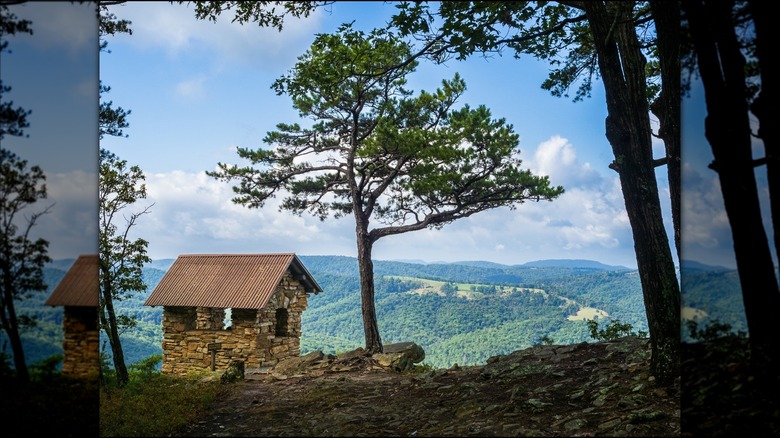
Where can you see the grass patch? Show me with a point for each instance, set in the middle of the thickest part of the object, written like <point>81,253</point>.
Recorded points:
<point>154,404</point>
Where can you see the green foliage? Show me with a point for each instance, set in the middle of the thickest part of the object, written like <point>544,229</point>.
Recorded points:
<point>148,366</point>
<point>21,259</point>
<point>544,340</point>
<point>713,330</point>
<point>262,13</point>
<point>715,292</point>
<point>12,120</point>
<point>448,288</point>
<point>46,368</point>
<point>153,404</point>
<point>549,31</point>
<point>615,330</point>
<point>399,154</point>
<point>121,259</point>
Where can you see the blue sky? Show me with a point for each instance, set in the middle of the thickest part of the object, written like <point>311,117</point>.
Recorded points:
<point>54,73</point>
<point>198,89</point>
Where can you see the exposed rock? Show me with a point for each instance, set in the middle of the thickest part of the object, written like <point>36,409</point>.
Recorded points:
<point>291,365</point>
<point>401,356</point>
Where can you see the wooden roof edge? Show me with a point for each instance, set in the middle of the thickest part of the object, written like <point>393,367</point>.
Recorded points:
<point>238,254</point>
<point>316,288</point>
<point>307,277</point>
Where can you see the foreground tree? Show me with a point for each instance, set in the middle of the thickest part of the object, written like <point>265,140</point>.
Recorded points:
<point>380,154</point>
<point>583,41</point>
<point>721,64</point>
<point>21,259</point>
<point>121,258</point>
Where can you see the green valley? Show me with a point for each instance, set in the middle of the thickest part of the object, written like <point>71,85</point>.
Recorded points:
<point>460,313</point>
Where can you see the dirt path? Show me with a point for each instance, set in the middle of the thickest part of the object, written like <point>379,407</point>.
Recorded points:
<point>594,389</point>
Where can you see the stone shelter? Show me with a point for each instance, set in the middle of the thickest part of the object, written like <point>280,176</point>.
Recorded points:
<point>223,308</point>
<point>78,293</point>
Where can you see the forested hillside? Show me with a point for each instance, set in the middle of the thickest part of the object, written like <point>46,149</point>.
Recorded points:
<point>459,313</point>
<point>500,315</point>
<point>711,293</point>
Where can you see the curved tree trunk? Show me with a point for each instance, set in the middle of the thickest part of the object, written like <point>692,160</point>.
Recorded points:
<point>366,267</point>
<point>628,131</point>
<point>727,128</point>
<point>109,323</point>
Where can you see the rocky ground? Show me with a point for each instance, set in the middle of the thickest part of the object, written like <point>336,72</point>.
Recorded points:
<point>720,394</point>
<point>588,389</point>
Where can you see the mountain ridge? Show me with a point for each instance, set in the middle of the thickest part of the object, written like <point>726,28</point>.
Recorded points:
<point>165,263</point>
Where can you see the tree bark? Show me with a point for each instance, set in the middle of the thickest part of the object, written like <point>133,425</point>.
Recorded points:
<point>621,65</point>
<point>666,15</point>
<point>366,266</point>
<point>765,108</point>
<point>727,129</point>
<point>109,323</point>
<point>11,325</point>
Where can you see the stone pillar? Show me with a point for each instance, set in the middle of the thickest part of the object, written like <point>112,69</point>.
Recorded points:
<point>81,340</point>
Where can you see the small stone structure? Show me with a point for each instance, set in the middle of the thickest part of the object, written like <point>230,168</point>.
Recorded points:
<point>266,295</point>
<point>78,292</point>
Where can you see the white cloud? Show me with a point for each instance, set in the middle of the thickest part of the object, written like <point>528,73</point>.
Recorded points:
<point>557,159</point>
<point>176,30</point>
<point>191,88</point>
<point>193,213</point>
<point>70,227</point>
<point>67,25</point>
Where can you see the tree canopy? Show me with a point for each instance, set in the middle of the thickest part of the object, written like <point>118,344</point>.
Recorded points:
<point>380,153</point>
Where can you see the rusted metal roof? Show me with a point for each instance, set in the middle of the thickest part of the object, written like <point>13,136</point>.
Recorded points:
<point>79,286</point>
<point>241,281</point>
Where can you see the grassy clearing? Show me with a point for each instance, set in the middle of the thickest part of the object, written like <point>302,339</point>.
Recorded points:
<point>465,290</point>
<point>692,313</point>
<point>586,313</point>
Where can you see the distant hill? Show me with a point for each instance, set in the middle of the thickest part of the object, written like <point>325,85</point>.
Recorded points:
<point>481,264</point>
<point>573,263</point>
<point>161,264</point>
<point>692,265</point>
<point>549,263</point>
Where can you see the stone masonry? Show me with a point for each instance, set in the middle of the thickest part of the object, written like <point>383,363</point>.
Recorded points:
<point>193,337</point>
<point>80,345</point>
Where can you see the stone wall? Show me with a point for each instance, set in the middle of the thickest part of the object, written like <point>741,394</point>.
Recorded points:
<point>81,341</point>
<point>193,337</point>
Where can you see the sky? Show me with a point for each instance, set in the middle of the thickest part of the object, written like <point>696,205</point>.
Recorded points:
<point>53,73</point>
<point>198,89</point>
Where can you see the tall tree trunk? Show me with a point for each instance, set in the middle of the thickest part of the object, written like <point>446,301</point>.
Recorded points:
<point>727,128</point>
<point>366,266</point>
<point>11,325</point>
<point>765,108</point>
<point>666,15</point>
<point>108,320</point>
<point>621,65</point>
